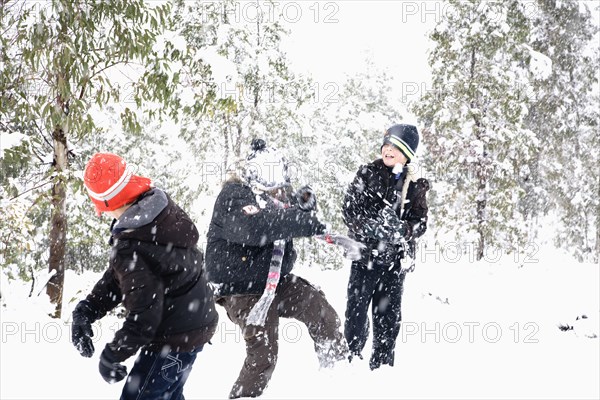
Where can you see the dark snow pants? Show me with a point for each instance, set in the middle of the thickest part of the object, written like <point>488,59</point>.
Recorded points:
<point>295,298</point>
<point>382,288</point>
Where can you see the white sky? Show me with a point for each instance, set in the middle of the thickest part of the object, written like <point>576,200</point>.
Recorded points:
<point>332,39</point>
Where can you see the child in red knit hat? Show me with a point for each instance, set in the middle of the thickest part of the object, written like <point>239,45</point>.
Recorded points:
<point>155,271</point>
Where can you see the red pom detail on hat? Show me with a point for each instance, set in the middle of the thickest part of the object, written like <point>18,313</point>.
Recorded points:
<point>111,183</point>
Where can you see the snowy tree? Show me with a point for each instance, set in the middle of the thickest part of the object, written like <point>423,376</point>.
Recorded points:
<point>239,84</point>
<point>55,58</point>
<point>564,114</point>
<point>475,136</point>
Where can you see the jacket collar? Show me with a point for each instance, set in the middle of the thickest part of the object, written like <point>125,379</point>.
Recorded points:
<point>388,177</point>
<point>143,211</point>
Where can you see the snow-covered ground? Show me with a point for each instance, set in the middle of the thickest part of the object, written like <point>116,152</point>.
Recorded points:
<point>485,329</point>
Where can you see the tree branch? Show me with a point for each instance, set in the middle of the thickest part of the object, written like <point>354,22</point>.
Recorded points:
<point>30,189</point>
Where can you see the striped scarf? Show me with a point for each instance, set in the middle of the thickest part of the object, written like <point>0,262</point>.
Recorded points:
<point>258,314</point>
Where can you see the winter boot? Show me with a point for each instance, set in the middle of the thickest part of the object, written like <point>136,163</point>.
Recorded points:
<point>353,355</point>
<point>331,351</point>
<point>379,358</point>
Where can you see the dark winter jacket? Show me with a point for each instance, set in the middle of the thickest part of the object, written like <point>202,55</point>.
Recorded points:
<point>241,235</point>
<point>156,271</point>
<point>376,187</point>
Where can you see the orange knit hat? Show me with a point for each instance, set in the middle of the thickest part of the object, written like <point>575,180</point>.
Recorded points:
<point>110,182</point>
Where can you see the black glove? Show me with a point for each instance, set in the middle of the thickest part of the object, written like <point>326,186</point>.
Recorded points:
<point>388,227</point>
<point>111,370</point>
<point>407,264</point>
<point>374,229</point>
<point>368,229</point>
<point>397,230</point>
<point>81,330</point>
<point>306,198</point>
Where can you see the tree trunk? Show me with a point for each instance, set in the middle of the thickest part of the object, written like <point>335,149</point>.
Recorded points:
<point>597,258</point>
<point>237,146</point>
<point>226,130</point>
<point>598,226</point>
<point>480,169</point>
<point>481,205</point>
<point>481,200</point>
<point>58,224</point>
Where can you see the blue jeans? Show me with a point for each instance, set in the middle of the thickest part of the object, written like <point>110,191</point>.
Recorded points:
<point>159,376</point>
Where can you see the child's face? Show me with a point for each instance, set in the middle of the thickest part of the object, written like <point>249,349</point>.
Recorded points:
<point>279,193</point>
<point>392,156</point>
<point>116,214</point>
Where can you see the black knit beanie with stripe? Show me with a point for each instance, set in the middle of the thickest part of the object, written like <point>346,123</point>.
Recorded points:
<point>404,137</point>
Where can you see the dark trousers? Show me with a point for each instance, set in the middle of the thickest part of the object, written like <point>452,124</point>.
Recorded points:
<point>382,289</point>
<point>159,376</point>
<point>295,298</point>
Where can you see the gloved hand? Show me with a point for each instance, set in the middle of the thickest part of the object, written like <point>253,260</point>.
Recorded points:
<point>352,248</point>
<point>306,198</point>
<point>111,370</point>
<point>407,263</point>
<point>397,230</point>
<point>81,329</point>
<point>388,227</point>
<point>375,229</point>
